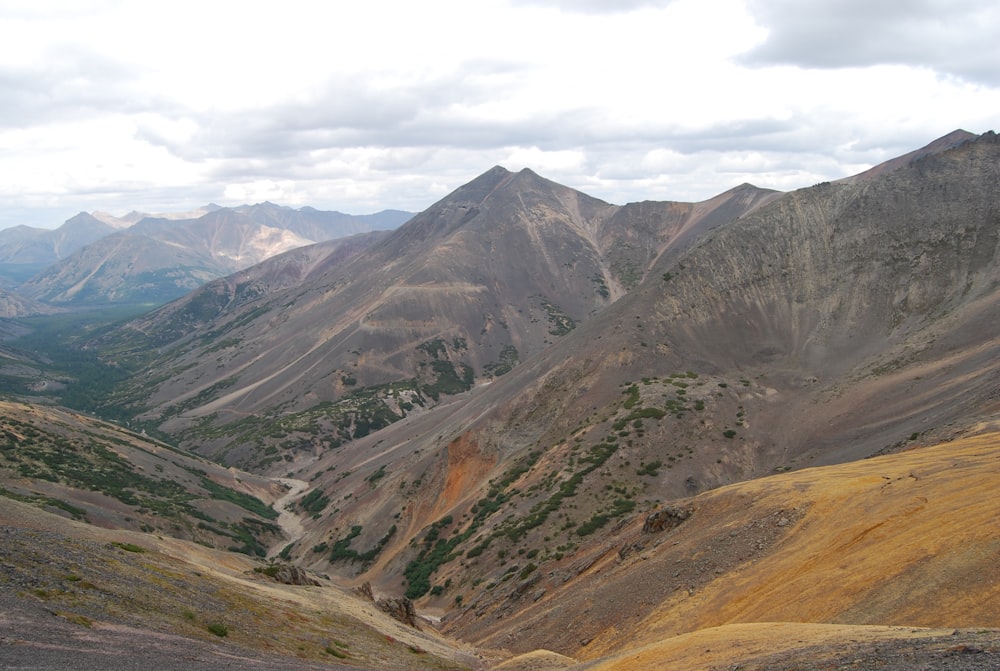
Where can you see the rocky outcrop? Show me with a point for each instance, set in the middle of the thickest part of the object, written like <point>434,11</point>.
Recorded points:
<point>666,519</point>
<point>399,608</point>
<point>286,574</point>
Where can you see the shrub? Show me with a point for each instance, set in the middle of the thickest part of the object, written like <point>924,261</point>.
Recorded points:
<point>218,629</point>
<point>330,650</point>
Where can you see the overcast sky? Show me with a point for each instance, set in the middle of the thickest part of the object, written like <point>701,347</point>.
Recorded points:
<point>362,106</point>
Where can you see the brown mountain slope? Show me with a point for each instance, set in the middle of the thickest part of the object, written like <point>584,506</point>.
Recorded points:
<point>829,325</point>
<point>484,279</point>
<point>871,564</point>
<point>825,325</point>
<point>907,540</point>
<point>78,596</point>
<point>197,310</point>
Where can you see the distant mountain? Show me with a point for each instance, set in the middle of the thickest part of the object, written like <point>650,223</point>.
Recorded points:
<point>157,259</point>
<point>27,245</point>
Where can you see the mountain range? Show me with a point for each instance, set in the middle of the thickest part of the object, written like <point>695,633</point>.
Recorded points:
<point>101,259</point>
<point>758,430</point>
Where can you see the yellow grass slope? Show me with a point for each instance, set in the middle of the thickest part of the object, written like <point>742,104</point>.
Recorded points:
<point>901,541</point>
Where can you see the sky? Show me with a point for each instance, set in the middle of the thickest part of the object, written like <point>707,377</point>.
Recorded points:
<point>362,106</point>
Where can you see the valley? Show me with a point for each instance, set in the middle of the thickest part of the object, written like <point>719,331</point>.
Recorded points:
<point>529,429</point>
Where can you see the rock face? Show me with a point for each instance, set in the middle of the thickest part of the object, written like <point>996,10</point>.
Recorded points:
<point>666,519</point>
<point>400,608</point>
<point>293,575</point>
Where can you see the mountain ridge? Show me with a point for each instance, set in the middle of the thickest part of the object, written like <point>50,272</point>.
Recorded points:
<point>157,259</point>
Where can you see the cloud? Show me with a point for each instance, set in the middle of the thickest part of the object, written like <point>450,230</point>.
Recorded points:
<point>952,37</point>
<point>67,82</point>
<point>363,106</point>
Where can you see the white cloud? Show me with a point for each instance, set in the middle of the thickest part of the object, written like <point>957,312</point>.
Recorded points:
<point>363,106</point>
<point>951,37</point>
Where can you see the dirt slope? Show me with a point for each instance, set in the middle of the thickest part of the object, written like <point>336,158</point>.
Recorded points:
<point>97,582</point>
<point>909,539</point>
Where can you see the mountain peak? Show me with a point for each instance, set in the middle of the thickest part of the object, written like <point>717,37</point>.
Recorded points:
<point>944,143</point>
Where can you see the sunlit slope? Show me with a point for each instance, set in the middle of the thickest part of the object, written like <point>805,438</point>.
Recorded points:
<point>910,539</point>
<point>781,646</point>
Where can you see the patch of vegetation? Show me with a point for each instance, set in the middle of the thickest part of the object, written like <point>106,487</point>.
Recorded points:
<point>515,529</point>
<point>329,424</point>
<point>509,358</point>
<point>652,468</point>
<point>335,652</point>
<point>449,378</point>
<point>435,348</point>
<point>245,501</point>
<point>342,548</point>
<point>619,508</point>
<point>560,322</point>
<point>435,552</point>
<point>271,570</point>
<point>218,628</point>
<point>314,502</point>
<point>42,501</point>
<point>130,547</point>
<point>601,287</point>
<point>374,478</point>
<point>248,532</point>
<point>632,393</point>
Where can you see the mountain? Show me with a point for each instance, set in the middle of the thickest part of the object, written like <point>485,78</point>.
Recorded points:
<point>522,366</point>
<point>198,310</point>
<point>756,431</point>
<point>489,276</point>
<point>158,259</point>
<point>21,245</point>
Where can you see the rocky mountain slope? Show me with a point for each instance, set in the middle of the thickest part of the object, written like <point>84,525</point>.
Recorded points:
<point>486,278</point>
<point>102,474</point>
<point>529,363</point>
<point>882,563</point>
